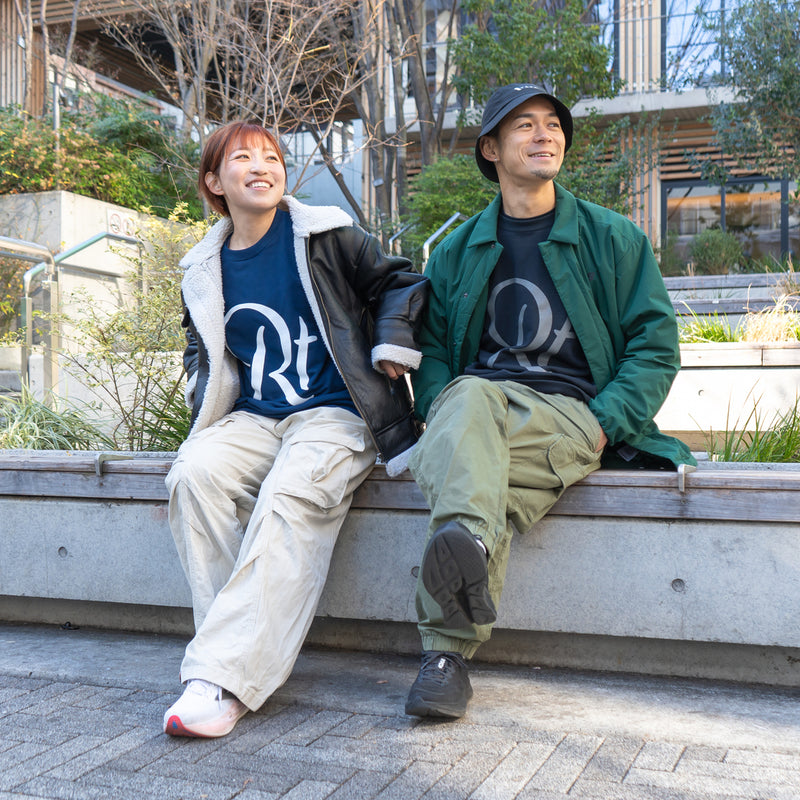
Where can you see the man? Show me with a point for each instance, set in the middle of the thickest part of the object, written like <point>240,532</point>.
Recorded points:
<point>549,341</point>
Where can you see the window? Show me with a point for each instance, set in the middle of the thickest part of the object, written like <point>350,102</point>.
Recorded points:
<point>758,212</point>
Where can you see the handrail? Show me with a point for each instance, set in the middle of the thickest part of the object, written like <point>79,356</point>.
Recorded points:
<point>435,235</point>
<point>33,271</point>
<point>393,239</point>
<point>31,251</point>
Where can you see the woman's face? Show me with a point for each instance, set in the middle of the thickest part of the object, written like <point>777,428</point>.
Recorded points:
<point>251,178</point>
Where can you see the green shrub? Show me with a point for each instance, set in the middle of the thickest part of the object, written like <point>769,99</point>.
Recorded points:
<point>11,272</point>
<point>712,328</point>
<point>669,259</point>
<point>445,187</point>
<point>715,252</point>
<point>130,356</point>
<point>92,157</point>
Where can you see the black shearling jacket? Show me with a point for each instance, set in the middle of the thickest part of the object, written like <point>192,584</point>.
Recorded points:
<point>368,306</point>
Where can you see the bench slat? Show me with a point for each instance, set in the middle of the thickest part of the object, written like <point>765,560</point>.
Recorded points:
<point>722,494</point>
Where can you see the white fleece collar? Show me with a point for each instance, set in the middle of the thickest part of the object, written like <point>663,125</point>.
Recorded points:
<point>305,221</point>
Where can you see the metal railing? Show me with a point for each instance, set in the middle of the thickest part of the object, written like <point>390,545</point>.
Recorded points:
<point>426,247</point>
<point>47,271</point>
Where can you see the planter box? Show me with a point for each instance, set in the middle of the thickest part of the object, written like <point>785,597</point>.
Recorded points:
<point>695,574</point>
<point>720,384</point>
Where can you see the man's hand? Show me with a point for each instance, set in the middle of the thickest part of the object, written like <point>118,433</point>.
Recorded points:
<point>393,369</point>
<point>603,441</point>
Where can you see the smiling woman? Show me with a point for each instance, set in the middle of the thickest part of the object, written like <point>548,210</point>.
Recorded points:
<point>296,325</point>
<point>243,176</point>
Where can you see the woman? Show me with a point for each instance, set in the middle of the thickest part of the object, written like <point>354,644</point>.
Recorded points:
<point>298,327</point>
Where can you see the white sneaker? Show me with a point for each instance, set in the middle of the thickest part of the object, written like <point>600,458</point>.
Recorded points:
<point>204,709</point>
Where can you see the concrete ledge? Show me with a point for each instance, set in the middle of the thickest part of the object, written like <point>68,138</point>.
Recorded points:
<point>628,571</point>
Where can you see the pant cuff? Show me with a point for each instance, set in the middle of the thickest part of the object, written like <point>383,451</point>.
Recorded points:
<point>449,644</point>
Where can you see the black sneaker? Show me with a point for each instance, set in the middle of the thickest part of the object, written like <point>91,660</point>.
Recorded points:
<point>455,572</point>
<point>442,687</point>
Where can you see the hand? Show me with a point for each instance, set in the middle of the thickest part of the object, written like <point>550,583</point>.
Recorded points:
<point>603,441</point>
<point>393,369</point>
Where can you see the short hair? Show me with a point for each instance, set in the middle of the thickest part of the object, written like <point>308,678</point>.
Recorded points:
<point>224,139</point>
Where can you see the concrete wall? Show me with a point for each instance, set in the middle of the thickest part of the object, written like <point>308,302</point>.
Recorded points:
<point>662,579</point>
<point>720,385</point>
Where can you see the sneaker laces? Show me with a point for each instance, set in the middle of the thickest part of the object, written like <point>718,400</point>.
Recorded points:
<point>437,667</point>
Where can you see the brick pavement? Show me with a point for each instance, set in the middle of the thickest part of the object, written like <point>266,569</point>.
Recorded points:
<point>337,731</point>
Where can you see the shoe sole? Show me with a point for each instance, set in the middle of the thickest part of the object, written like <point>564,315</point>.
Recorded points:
<point>211,730</point>
<point>420,708</point>
<point>456,575</point>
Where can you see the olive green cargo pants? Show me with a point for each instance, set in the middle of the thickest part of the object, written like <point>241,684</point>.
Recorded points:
<point>496,456</point>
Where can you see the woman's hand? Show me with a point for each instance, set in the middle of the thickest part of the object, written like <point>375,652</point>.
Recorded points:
<point>392,369</point>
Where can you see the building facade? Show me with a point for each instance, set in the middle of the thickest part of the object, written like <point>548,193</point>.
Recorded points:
<point>663,54</point>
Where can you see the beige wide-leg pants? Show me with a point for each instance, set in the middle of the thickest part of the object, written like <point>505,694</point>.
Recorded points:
<point>255,508</point>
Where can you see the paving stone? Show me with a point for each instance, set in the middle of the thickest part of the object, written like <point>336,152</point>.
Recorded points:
<point>304,768</point>
<point>363,785</point>
<point>757,773</point>
<point>156,786</point>
<point>404,751</point>
<point>763,758</point>
<point>344,753</point>
<point>703,753</point>
<point>564,766</point>
<point>710,785</point>
<point>510,776</point>
<point>602,790</point>
<point>356,726</point>
<point>70,738</point>
<point>233,775</point>
<point>45,788</point>
<point>318,725</point>
<point>266,729</point>
<point>99,755</point>
<point>465,776</point>
<point>255,794</point>
<point>613,759</point>
<point>413,782</point>
<point>659,755</point>
<point>311,790</point>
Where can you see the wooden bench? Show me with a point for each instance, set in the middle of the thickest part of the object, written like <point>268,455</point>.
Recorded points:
<point>695,574</point>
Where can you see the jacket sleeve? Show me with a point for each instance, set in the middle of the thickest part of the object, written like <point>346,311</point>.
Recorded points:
<point>650,356</point>
<point>395,294</point>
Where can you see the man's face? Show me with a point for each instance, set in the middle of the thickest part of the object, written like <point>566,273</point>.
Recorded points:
<point>528,145</point>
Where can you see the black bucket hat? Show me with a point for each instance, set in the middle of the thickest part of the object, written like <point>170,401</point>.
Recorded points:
<point>502,102</point>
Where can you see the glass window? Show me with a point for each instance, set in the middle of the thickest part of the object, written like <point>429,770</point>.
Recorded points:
<point>750,210</point>
<point>794,222</point>
<point>753,216</point>
<point>690,210</point>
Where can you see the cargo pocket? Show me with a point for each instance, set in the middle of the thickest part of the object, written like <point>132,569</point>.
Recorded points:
<point>569,461</point>
<point>321,471</point>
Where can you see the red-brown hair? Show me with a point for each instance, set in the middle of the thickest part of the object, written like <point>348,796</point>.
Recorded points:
<point>222,141</point>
